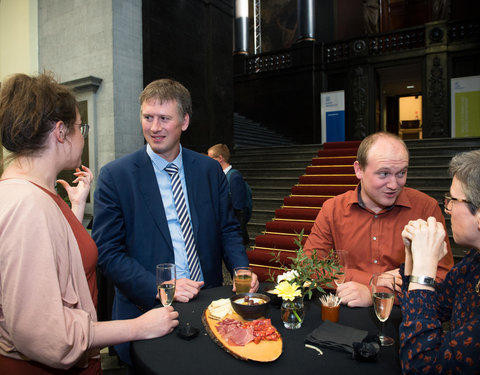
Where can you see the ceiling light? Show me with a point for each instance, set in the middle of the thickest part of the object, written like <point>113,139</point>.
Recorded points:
<point>410,86</point>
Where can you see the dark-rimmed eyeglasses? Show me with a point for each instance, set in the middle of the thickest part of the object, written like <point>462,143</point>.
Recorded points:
<point>447,199</point>
<point>84,128</point>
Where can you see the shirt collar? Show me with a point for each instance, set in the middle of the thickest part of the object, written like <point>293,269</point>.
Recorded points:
<point>161,163</point>
<point>227,169</point>
<point>402,199</point>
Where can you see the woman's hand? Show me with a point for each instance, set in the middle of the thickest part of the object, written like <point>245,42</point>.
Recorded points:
<point>407,241</point>
<point>156,322</point>
<point>78,194</point>
<point>427,245</point>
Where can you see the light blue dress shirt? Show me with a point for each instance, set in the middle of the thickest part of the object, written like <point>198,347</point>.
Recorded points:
<point>165,187</point>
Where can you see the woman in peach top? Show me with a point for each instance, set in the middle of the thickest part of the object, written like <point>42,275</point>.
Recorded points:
<point>48,322</point>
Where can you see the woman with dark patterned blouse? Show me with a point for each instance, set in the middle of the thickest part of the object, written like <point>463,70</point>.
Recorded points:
<point>424,347</point>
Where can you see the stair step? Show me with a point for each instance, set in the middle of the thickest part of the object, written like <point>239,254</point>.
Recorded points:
<point>271,192</point>
<point>259,132</point>
<point>248,174</point>
<point>273,157</point>
<point>424,170</point>
<point>254,165</point>
<point>256,141</point>
<point>428,181</point>
<point>248,133</point>
<point>277,181</point>
<point>429,160</point>
<point>267,205</point>
<point>310,149</point>
<point>265,215</point>
<point>443,142</point>
<point>434,151</point>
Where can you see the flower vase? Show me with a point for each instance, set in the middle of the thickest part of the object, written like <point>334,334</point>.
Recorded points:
<point>293,313</point>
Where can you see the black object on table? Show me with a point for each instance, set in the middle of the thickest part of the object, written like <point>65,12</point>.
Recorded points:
<point>201,355</point>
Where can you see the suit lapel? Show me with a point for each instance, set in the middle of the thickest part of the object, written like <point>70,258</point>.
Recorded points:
<point>148,186</point>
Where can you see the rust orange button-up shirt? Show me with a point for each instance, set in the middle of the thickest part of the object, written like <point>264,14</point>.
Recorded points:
<point>374,241</point>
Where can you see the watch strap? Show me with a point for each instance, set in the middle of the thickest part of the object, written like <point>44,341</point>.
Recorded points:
<point>423,280</point>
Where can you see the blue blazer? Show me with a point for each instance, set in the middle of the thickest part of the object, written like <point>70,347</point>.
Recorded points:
<point>131,231</point>
<point>238,191</point>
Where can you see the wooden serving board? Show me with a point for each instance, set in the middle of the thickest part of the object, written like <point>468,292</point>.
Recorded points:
<point>264,351</point>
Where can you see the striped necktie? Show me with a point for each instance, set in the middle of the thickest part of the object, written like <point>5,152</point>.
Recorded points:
<point>184,219</point>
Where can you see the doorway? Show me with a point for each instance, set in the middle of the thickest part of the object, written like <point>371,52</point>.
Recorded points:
<point>400,89</point>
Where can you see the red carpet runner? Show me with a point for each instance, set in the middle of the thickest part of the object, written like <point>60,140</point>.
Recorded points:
<point>330,174</point>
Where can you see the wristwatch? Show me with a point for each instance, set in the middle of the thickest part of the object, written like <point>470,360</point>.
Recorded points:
<point>423,280</point>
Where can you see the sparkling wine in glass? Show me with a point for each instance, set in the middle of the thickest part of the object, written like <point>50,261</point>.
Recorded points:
<point>341,257</point>
<point>166,280</point>
<point>383,295</point>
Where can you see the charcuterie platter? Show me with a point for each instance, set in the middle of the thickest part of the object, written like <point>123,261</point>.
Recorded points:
<point>255,340</point>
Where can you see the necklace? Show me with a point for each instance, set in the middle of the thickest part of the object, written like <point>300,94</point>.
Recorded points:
<point>477,288</point>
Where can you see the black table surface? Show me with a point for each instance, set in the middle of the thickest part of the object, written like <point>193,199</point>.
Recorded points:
<point>172,354</point>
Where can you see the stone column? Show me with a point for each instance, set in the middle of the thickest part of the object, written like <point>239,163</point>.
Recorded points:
<point>360,100</point>
<point>306,20</point>
<point>436,121</point>
<point>241,27</point>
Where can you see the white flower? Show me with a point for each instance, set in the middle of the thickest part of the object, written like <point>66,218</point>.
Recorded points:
<point>307,284</point>
<point>287,276</point>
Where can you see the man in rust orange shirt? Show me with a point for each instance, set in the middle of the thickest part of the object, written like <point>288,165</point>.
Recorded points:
<point>368,221</point>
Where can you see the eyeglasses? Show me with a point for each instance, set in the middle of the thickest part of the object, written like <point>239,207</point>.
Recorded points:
<point>84,128</point>
<point>447,199</point>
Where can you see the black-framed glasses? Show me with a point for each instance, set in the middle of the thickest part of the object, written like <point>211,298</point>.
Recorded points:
<point>447,198</point>
<point>84,128</point>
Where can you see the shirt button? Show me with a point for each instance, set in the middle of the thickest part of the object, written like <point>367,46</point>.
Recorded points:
<point>375,261</point>
<point>375,216</point>
<point>374,238</point>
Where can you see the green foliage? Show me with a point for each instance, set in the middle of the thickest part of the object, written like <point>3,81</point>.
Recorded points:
<point>313,271</point>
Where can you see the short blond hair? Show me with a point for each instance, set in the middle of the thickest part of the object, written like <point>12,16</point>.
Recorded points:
<point>167,90</point>
<point>220,149</point>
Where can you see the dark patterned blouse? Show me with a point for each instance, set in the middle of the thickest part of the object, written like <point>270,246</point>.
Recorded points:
<point>424,347</point>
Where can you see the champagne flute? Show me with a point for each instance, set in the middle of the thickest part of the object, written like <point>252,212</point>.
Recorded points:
<point>166,280</point>
<point>383,294</point>
<point>341,257</point>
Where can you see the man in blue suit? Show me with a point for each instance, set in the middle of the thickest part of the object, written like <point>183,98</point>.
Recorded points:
<point>237,185</point>
<point>136,225</point>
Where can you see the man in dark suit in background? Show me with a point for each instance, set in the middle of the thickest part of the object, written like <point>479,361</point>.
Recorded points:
<point>136,225</point>
<point>237,185</point>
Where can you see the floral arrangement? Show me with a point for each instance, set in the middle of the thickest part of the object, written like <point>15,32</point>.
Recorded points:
<point>288,292</point>
<point>305,273</point>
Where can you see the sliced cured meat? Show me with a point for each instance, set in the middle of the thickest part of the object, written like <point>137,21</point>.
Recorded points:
<point>226,325</point>
<point>234,333</point>
<point>263,330</point>
<point>263,351</point>
<point>240,336</point>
